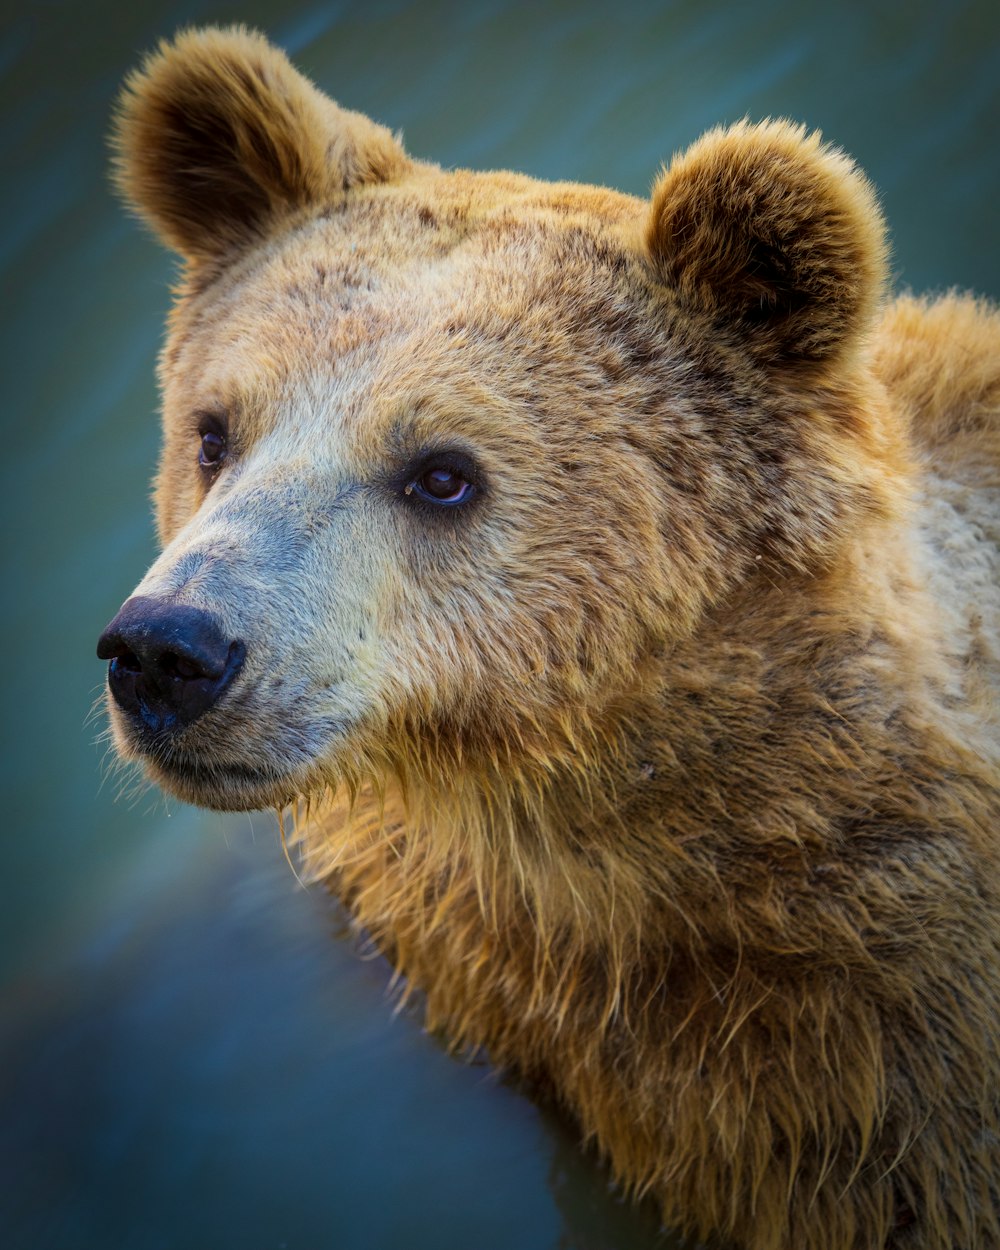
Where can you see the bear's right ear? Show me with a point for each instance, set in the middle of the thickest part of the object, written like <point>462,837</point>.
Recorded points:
<point>774,236</point>
<point>217,135</point>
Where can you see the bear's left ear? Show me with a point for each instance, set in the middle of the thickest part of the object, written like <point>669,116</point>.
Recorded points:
<point>775,236</point>
<point>218,137</point>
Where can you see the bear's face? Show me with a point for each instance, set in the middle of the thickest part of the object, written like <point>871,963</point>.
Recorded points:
<point>428,516</point>
<point>451,460</point>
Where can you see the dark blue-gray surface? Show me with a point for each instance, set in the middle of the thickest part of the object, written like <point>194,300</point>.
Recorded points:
<point>191,1055</point>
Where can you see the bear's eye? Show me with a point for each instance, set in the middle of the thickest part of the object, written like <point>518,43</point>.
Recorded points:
<point>213,449</point>
<point>442,485</point>
<point>214,443</point>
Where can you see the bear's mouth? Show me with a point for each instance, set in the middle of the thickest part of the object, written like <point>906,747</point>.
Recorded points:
<point>220,763</point>
<point>225,787</point>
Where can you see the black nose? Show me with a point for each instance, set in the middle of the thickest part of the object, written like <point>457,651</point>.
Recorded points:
<point>169,662</point>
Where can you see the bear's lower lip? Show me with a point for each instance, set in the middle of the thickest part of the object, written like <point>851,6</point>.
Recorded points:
<point>223,787</point>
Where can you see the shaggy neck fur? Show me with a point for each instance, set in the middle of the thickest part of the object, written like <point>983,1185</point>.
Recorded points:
<point>668,895</point>
<point>685,898</point>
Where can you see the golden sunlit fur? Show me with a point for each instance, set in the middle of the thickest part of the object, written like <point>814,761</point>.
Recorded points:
<point>667,768</point>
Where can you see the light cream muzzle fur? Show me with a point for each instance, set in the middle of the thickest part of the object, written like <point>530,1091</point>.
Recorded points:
<point>276,557</point>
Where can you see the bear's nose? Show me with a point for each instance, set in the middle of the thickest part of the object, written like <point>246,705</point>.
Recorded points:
<point>169,662</point>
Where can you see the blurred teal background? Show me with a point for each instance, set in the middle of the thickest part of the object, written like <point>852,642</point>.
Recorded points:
<point>190,1053</point>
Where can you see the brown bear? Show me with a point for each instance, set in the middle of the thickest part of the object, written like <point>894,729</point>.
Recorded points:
<point>611,588</point>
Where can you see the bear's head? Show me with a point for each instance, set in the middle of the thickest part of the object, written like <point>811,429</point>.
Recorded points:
<point>452,460</point>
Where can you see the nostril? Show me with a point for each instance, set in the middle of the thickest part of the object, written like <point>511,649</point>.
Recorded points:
<point>162,663</point>
<point>178,666</point>
<point>126,661</point>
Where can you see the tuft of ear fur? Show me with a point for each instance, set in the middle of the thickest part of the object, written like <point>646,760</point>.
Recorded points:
<point>774,234</point>
<point>218,135</point>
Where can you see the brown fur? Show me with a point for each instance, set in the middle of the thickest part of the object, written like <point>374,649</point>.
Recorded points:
<point>668,768</point>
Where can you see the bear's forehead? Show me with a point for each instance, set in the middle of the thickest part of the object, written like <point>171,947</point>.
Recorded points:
<point>535,294</point>
<point>499,257</point>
